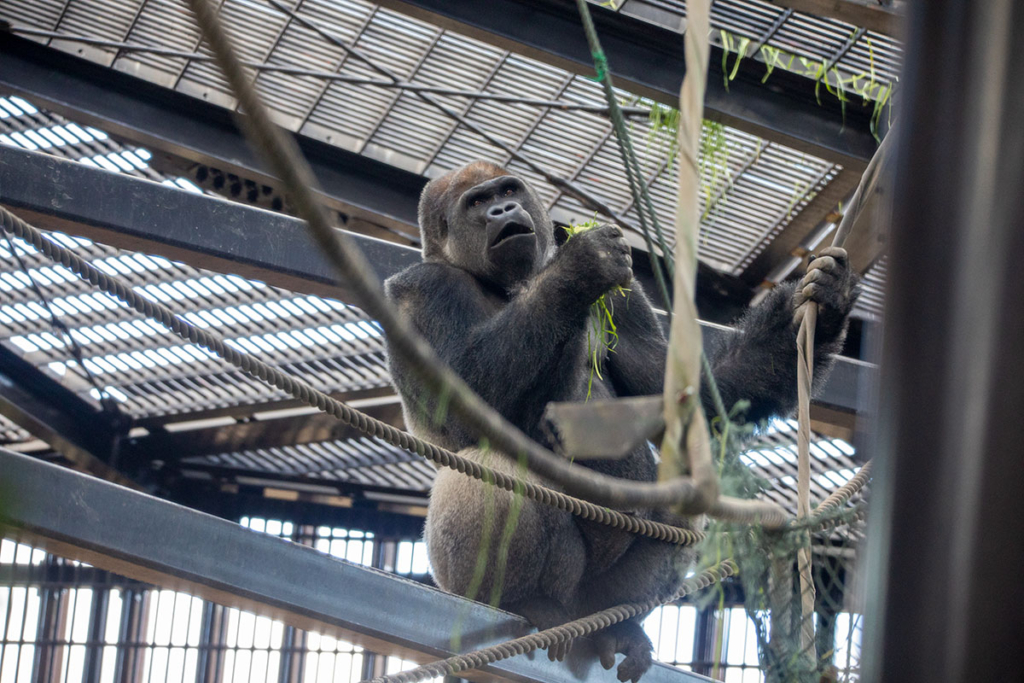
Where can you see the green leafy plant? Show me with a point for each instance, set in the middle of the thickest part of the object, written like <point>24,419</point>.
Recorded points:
<point>602,336</point>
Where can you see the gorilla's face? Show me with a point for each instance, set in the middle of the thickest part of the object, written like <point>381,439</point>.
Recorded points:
<point>488,222</point>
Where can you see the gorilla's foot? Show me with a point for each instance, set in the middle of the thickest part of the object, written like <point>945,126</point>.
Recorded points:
<point>629,639</point>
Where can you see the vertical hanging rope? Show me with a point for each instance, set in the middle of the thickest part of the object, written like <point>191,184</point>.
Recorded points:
<point>686,432</point>
<point>805,380</point>
<point>805,377</point>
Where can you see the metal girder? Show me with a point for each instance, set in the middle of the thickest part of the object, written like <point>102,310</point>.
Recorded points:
<point>256,433</point>
<point>208,232</point>
<point>874,15</point>
<point>50,411</point>
<point>247,411</point>
<point>647,59</point>
<point>203,231</point>
<point>189,128</point>
<point>150,540</point>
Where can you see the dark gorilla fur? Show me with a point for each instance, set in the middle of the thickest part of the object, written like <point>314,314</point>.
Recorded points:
<point>508,311</point>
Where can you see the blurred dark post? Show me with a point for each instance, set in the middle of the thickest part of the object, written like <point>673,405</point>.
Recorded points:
<point>946,538</point>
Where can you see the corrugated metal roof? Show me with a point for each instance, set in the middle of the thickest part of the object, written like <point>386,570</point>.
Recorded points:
<point>401,129</point>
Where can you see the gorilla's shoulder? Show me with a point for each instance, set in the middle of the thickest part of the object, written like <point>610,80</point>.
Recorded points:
<point>425,279</point>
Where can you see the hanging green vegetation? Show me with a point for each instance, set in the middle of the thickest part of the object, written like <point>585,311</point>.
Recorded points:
<point>741,45</point>
<point>713,155</point>
<point>873,92</point>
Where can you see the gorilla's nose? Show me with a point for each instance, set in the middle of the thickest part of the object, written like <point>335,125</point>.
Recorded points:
<point>499,210</point>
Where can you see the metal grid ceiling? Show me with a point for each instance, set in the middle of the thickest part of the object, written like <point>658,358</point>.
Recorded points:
<point>151,372</point>
<point>755,189</point>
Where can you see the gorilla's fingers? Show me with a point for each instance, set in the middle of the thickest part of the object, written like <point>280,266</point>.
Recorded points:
<point>636,663</point>
<point>798,315</point>
<point>811,292</point>
<point>824,263</point>
<point>812,276</point>
<point>838,253</point>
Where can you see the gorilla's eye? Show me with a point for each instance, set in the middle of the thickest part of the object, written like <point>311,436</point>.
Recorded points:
<point>509,191</point>
<point>476,202</point>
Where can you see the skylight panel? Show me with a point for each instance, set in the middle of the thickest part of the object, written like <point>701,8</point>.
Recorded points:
<point>105,163</point>
<point>844,446</point>
<point>65,135</point>
<point>38,139</point>
<point>24,141</point>
<point>23,344</point>
<point>23,105</point>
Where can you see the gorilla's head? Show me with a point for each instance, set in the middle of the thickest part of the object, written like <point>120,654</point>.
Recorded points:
<point>484,220</point>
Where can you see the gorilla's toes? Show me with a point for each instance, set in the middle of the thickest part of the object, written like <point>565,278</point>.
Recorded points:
<point>635,665</point>
<point>559,651</point>
<point>606,645</point>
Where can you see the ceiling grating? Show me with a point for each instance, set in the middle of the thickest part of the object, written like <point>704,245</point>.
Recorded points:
<point>401,129</point>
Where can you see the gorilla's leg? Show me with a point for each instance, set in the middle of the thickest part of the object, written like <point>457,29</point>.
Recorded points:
<point>649,570</point>
<point>560,580</point>
<point>544,613</point>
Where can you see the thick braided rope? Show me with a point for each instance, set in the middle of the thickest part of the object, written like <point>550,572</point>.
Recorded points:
<point>543,640</point>
<point>845,492</point>
<point>857,514</point>
<point>346,414</point>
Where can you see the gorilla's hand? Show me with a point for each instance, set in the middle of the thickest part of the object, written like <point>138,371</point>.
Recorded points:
<point>596,261</point>
<point>833,286</point>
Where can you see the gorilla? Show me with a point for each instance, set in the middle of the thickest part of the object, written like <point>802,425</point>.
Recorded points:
<point>508,309</point>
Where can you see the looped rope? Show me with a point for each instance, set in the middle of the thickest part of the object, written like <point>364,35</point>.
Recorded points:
<point>543,640</point>
<point>327,404</point>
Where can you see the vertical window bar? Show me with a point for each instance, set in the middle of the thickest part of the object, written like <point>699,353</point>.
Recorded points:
<point>97,629</point>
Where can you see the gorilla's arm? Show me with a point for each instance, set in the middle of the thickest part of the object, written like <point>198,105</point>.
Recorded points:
<point>510,354</point>
<point>758,361</point>
<point>637,365</point>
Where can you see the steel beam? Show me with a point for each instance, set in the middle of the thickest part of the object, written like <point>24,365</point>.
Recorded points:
<point>259,432</point>
<point>50,411</point>
<point>647,59</point>
<point>203,231</point>
<point>189,128</point>
<point>946,532</point>
<point>150,540</point>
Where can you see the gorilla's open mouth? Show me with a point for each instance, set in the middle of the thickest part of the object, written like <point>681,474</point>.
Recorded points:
<point>511,229</point>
